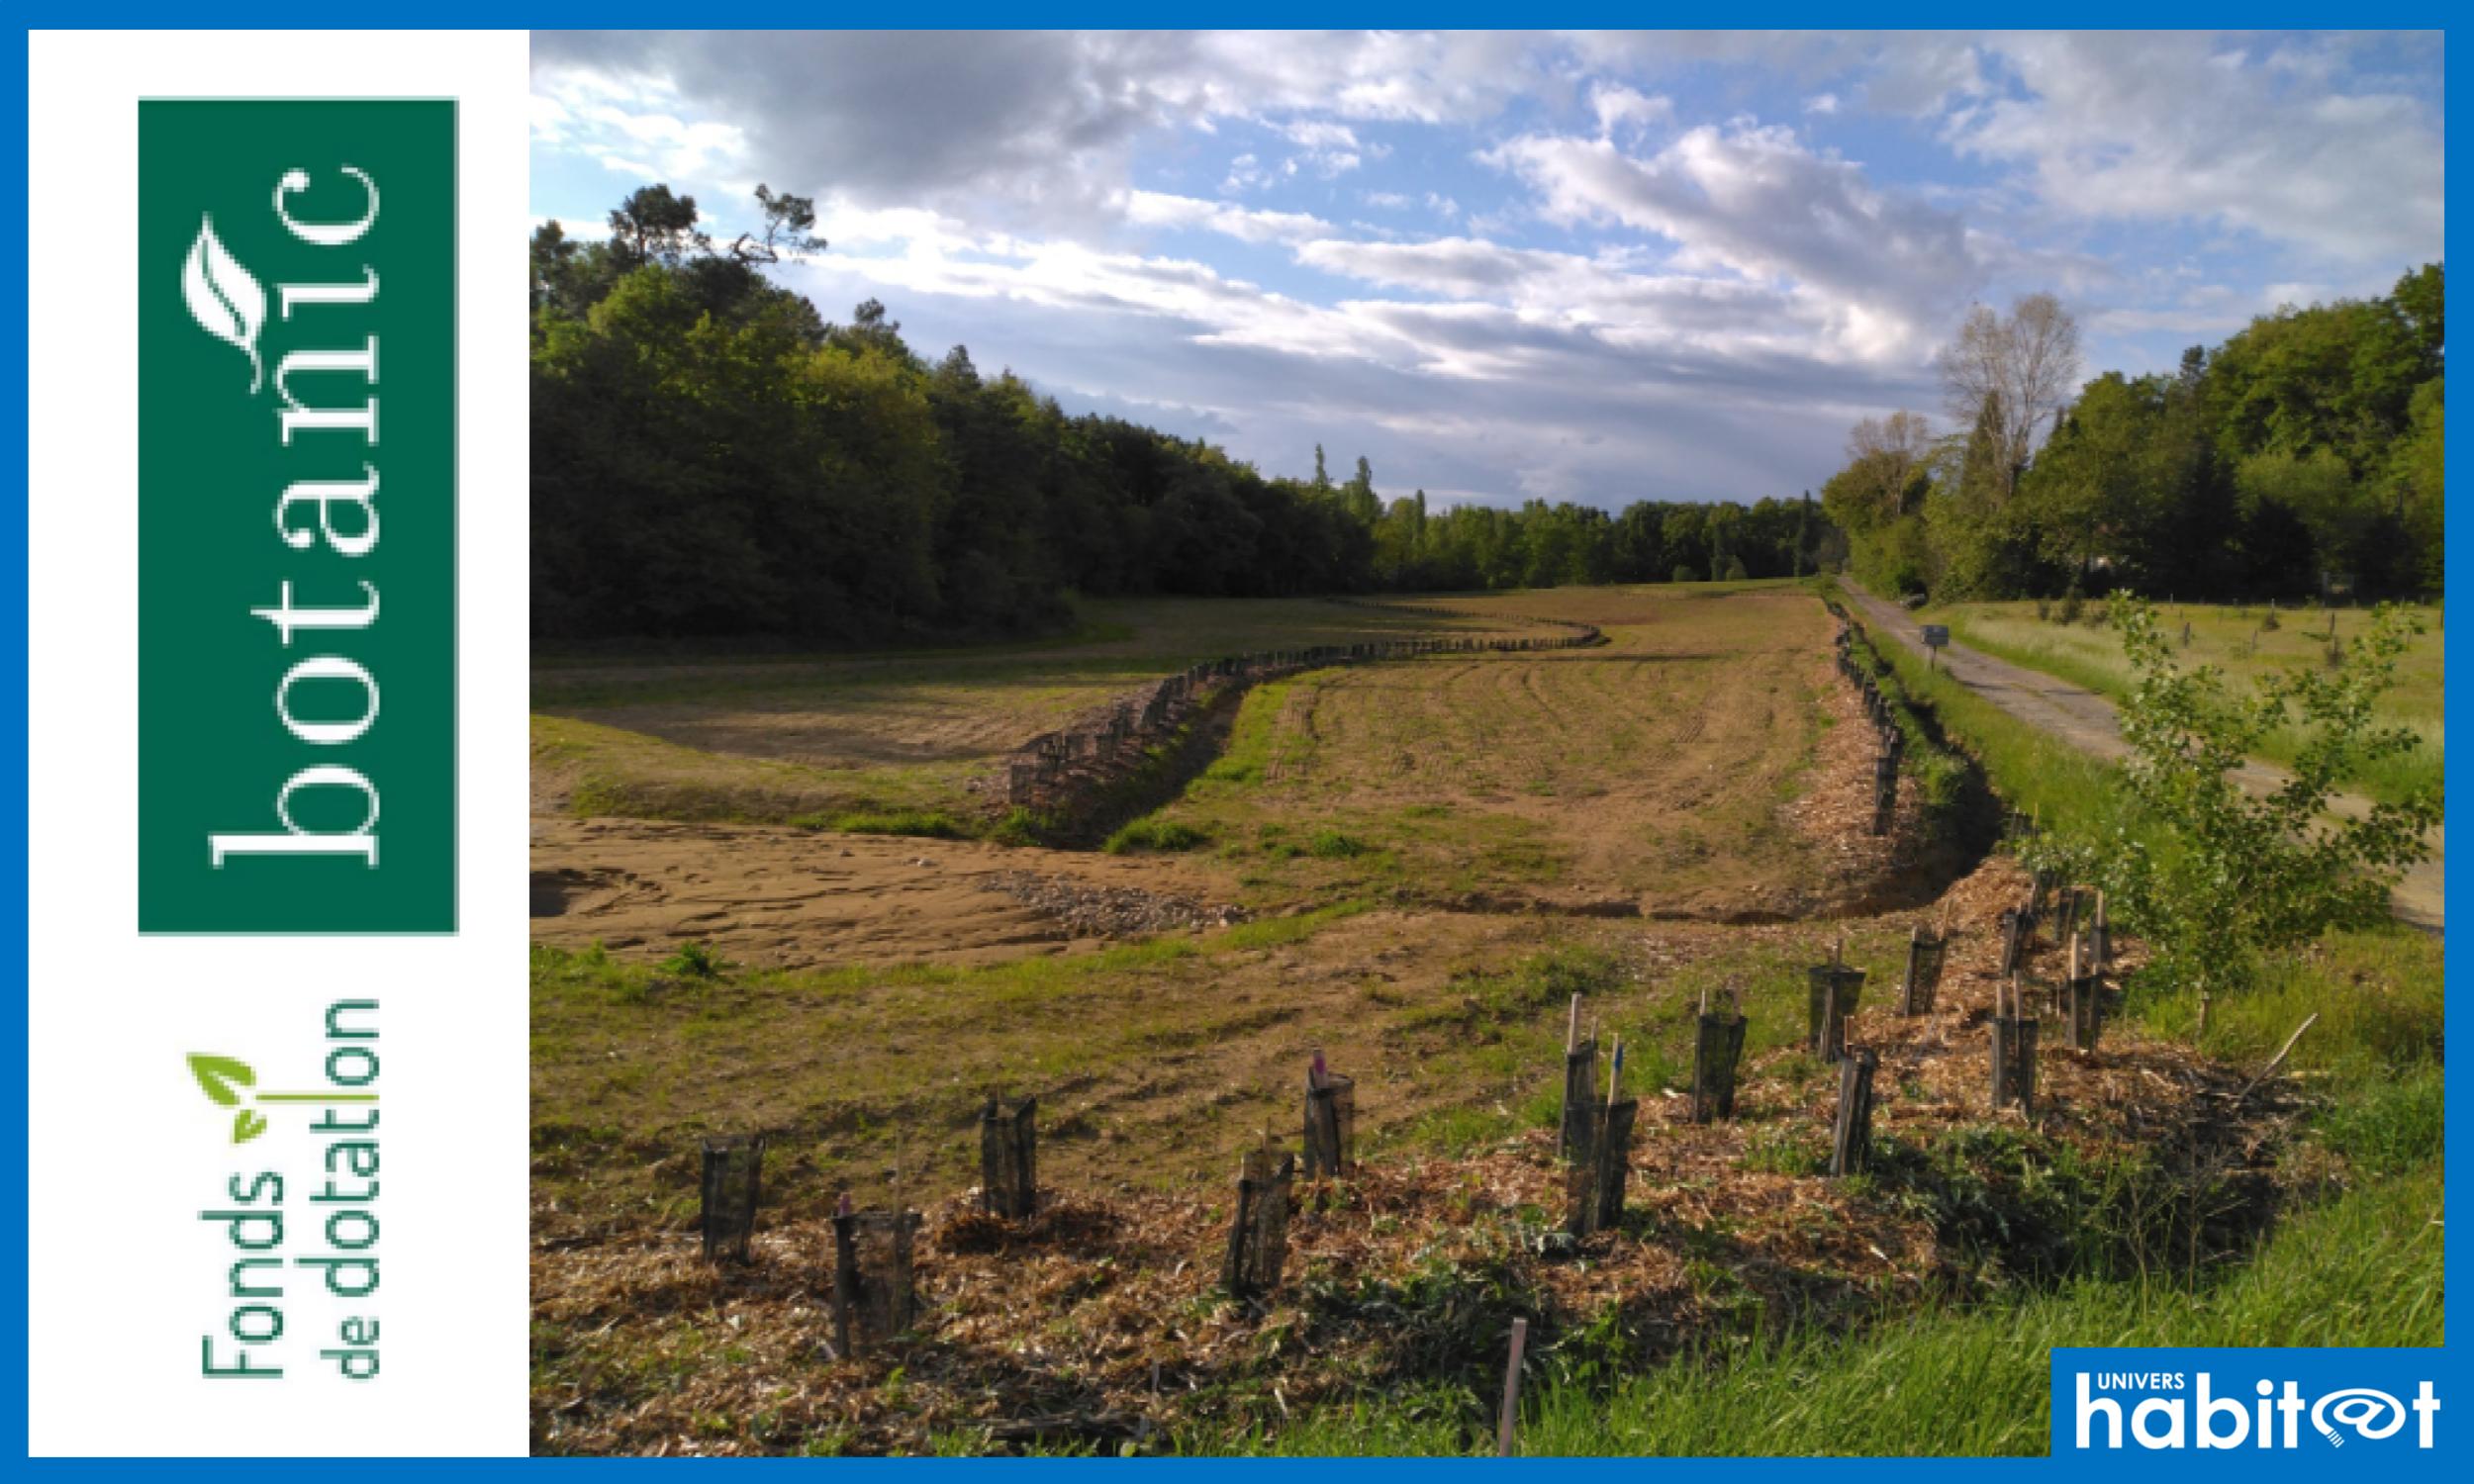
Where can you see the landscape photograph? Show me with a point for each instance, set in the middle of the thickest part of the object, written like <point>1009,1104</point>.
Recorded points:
<point>1387,743</point>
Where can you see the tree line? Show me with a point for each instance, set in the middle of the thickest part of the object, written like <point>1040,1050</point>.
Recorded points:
<point>2301,457</point>
<point>712,458</point>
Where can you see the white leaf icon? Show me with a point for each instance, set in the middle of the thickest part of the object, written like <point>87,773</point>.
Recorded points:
<point>224,299</point>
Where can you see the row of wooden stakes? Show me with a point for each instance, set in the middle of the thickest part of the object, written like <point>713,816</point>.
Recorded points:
<point>873,1296</point>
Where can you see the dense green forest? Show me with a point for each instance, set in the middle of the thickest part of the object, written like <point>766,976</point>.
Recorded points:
<point>713,459</point>
<point>2305,450</point>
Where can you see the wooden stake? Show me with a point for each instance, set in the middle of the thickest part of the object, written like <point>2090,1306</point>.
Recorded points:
<point>1571,1028</point>
<point>1615,1072</point>
<point>1511,1391</point>
<point>1705,1001</point>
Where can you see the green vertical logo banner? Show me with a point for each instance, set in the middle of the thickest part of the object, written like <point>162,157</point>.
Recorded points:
<point>295,488</point>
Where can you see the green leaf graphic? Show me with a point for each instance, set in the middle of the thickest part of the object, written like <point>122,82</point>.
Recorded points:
<point>224,299</point>
<point>217,1075</point>
<point>247,1125</point>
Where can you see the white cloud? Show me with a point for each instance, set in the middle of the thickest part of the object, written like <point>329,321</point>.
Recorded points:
<point>1155,209</point>
<point>1662,304</point>
<point>2171,127</point>
<point>1752,199</point>
<point>1619,107</point>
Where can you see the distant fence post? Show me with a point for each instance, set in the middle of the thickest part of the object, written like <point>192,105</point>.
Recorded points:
<point>2013,1056</point>
<point>1925,953</point>
<point>1330,1127</point>
<point>732,1179</point>
<point>1510,1419</point>
<point>2014,924</point>
<point>1716,1049</point>
<point>1574,1138</point>
<point>874,1298</point>
<point>2084,1003</point>
<point>1010,1159</point>
<point>1834,990</point>
<point>1850,1133</point>
<point>1258,1234</point>
<point>1597,1180</point>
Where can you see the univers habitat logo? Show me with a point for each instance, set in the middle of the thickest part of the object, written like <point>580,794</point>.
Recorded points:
<point>2250,1401</point>
<point>296,517</point>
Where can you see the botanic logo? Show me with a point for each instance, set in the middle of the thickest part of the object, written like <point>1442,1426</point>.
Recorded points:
<point>296,611</point>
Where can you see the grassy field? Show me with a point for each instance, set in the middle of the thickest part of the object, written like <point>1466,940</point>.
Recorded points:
<point>1647,771</point>
<point>1159,1061</point>
<point>1958,1383</point>
<point>900,737</point>
<point>2089,654</point>
<point>1748,1306</point>
<point>2361,1264</point>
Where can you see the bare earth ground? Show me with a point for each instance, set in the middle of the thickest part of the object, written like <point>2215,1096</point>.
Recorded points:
<point>2088,723</point>
<point>781,898</point>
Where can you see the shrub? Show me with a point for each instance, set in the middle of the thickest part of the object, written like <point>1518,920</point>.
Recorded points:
<point>695,960</point>
<point>1683,574</point>
<point>1020,827</point>
<point>2230,877</point>
<point>1332,845</point>
<point>1154,834</point>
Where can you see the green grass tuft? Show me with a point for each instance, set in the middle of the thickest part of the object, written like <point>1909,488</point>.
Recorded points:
<point>1155,834</point>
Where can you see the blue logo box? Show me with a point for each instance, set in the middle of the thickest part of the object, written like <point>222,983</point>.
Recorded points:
<point>2332,1405</point>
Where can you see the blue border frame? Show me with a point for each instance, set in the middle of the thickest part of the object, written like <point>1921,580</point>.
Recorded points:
<point>2458,610</point>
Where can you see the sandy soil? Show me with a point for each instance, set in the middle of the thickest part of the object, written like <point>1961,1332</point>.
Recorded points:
<point>775,897</point>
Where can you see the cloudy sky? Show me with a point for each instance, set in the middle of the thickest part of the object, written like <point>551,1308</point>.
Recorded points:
<point>1601,269</point>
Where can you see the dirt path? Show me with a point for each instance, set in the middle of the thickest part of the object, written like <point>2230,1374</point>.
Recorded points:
<point>2086,721</point>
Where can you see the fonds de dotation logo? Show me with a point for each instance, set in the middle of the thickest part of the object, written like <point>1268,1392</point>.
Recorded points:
<point>297,1213</point>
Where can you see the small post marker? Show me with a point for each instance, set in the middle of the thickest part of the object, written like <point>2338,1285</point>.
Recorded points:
<point>1833,990</point>
<point>1330,1121</point>
<point>2014,1054</point>
<point>1718,1045</point>
<point>1850,1132</point>
<point>1010,1159</point>
<point>1510,1421</point>
<point>731,1184</point>
<point>1575,1136</point>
